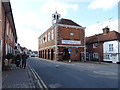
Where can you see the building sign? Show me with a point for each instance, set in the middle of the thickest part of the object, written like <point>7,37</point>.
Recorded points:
<point>70,42</point>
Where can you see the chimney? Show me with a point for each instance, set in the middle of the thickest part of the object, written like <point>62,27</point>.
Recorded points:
<point>106,30</point>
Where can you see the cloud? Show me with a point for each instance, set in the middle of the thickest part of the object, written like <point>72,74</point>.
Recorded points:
<point>103,4</point>
<point>97,28</point>
<point>52,5</point>
<point>28,38</point>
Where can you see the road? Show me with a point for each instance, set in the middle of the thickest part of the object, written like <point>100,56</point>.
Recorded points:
<point>82,75</point>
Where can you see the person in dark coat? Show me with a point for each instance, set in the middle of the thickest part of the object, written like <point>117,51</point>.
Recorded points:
<point>17,59</point>
<point>24,57</point>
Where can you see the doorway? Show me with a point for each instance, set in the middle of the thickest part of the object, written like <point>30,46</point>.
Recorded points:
<point>66,54</point>
<point>52,54</point>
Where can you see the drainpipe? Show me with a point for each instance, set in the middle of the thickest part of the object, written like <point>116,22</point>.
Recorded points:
<point>118,51</point>
<point>84,46</point>
<point>56,41</point>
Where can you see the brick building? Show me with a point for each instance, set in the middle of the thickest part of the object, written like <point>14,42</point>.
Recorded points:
<point>104,46</point>
<point>8,36</point>
<point>64,40</point>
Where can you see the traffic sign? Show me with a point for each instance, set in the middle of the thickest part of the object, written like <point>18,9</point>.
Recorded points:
<point>69,49</point>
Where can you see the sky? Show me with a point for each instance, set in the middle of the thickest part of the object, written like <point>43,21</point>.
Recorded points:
<point>33,17</point>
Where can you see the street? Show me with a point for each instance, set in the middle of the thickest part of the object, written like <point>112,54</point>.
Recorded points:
<point>75,75</point>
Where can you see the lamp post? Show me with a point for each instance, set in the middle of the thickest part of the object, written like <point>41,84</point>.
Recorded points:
<point>99,51</point>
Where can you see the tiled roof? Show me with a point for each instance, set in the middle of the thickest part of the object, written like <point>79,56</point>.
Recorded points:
<point>112,35</point>
<point>68,22</point>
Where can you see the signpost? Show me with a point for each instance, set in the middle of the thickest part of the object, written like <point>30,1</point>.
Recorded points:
<point>69,50</point>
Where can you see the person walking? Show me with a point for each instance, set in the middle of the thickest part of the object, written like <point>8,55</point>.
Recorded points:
<point>17,59</point>
<point>24,57</point>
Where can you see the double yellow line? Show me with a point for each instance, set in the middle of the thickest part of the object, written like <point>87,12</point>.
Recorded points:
<point>39,80</point>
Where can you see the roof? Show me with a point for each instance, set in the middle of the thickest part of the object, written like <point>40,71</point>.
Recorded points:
<point>68,22</point>
<point>65,22</point>
<point>8,11</point>
<point>112,35</point>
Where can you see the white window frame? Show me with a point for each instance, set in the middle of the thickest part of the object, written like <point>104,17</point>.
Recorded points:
<point>95,45</point>
<point>7,28</point>
<point>96,55</point>
<point>111,48</point>
<point>48,36</point>
<point>71,34</point>
<point>52,37</point>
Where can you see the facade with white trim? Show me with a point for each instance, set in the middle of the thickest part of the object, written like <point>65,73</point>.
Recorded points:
<point>104,46</point>
<point>111,51</point>
<point>64,40</point>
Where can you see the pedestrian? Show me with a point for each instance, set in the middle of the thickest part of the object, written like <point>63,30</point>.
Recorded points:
<point>17,59</point>
<point>24,57</point>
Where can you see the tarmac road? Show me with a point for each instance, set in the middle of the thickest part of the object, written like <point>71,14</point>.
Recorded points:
<point>76,75</point>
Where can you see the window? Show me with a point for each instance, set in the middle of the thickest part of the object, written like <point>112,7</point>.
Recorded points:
<point>49,36</point>
<point>95,55</point>
<point>77,50</point>
<point>95,45</point>
<point>52,35</point>
<point>106,56</point>
<point>71,34</point>
<point>46,38</point>
<point>110,47</point>
<point>0,49</point>
<point>7,28</point>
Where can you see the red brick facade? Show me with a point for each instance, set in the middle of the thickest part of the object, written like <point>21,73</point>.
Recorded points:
<point>66,41</point>
<point>8,36</point>
<point>99,40</point>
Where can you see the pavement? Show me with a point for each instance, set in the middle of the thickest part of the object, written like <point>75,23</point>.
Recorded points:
<point>17,78</point>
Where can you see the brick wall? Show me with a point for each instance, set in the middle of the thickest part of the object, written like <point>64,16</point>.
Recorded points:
<point>63,33</point>
<point>98,50</point>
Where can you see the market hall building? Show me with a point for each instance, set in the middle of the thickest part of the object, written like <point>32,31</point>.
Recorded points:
<point>64,40</point>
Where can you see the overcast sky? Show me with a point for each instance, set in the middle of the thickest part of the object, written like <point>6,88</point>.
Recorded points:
<point>33,17</point>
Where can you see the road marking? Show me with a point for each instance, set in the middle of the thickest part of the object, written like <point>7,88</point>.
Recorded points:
<point>41,80</point>
<point>55,85</point>
<point>38,77</point>
<point>57,66</point>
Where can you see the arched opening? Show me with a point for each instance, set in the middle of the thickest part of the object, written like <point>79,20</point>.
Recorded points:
<point>66,54</point>
<point>52,54</point>
<point>45,54</point>
<point>39,54</point>
<point>48,54</point>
